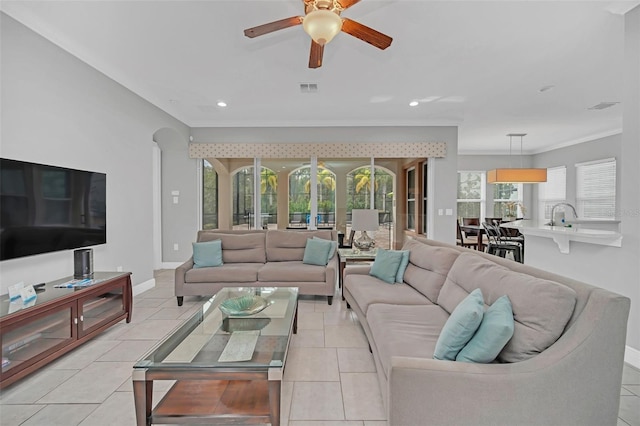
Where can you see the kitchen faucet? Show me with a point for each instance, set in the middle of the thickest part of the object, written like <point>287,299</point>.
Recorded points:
<point>553,209</point>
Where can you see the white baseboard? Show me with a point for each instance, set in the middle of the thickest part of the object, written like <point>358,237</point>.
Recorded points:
<point>171,265</point>
<point>142,287</point>
<point>632,356</point>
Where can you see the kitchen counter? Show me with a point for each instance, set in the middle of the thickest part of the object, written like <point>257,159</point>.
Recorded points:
<point>563,235</point>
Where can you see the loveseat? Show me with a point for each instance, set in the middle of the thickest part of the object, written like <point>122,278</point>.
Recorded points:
<point>264,258</point>
<point>563,365</point>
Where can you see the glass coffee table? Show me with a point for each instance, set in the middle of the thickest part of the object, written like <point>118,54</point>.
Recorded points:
<point>227,368</point>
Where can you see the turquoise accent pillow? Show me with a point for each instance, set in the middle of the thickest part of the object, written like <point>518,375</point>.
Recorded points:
<point>460,327</point>
<point>495,331</point>
<point>316,252</point>
<point>332,251</point>
<point>403,266</point>
<point>386,264</point>
<point>207,254</point>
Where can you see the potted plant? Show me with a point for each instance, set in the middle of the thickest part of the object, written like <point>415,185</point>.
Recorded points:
<point>511,210</point>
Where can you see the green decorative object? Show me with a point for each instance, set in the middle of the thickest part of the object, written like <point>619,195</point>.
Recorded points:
<point>244,305</point>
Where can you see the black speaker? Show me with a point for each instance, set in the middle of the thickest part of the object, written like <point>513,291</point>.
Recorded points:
<point>83,263</point>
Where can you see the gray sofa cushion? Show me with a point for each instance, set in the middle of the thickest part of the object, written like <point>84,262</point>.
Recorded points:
<point>227,273</point>
<point>428,267</point>
<point>291,272</point>
<point>239,248</point>
<point>405,330</point>
<point>368,290</point>
<point>289,245</point>
<point>541,308</point>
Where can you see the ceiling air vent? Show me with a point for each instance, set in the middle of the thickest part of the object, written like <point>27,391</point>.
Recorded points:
<point>308,87</point>
<point>604,105</point>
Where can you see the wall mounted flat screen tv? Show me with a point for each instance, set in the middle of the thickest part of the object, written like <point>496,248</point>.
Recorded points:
<point>48,208</point>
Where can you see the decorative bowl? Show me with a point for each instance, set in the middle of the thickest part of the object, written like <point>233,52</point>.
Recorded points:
<point>248,304</point>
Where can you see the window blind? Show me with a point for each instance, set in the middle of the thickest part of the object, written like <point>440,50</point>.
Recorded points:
<point>596,189</point>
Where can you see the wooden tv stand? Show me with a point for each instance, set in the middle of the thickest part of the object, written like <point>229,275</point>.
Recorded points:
<point>60,320</point>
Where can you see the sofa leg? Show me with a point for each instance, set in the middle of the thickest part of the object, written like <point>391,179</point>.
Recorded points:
<point>180,300</point>
<point>348,305</point>
<point>330,299</point>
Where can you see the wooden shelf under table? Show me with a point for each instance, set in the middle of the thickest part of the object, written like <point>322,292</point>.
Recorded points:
<point>226,401</point>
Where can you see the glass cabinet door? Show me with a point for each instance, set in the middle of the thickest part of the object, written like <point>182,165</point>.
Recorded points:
<point>97,310</point>
<point>35,338</point>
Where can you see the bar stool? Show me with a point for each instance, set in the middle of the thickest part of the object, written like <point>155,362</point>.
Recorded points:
<point>498,246</point>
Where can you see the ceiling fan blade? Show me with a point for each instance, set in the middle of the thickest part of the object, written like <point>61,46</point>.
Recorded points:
<point>315,57</point>
<point>273,26</point>
<point>364,33</point>
<point>347,3</point>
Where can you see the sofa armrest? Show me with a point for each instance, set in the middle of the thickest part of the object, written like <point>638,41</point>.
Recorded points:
<point>574,382</point>
<point>332,271</point>
<point>180,274</point>
<point>357,269</point>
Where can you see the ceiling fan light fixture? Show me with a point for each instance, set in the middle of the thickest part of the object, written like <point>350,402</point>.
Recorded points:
<point>322,25</point>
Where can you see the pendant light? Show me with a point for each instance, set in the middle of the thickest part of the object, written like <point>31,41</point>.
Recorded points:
<point>516,175</point>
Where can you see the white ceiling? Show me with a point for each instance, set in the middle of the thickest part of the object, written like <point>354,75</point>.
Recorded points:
<point>475,64</point>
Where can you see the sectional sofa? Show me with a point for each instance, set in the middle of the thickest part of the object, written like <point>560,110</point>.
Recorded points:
<point>265,258</point>
<point>563,365</point>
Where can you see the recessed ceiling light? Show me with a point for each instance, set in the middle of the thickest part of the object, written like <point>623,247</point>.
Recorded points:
<point>414,103</point>
<point>222,104</point>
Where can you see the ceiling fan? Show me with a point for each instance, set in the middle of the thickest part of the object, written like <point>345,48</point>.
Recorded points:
<point>322,21</point>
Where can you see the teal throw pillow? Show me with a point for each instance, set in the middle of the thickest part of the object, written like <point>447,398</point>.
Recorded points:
<point>207,254</point>
<point>316,252</point>
<point>460,327</point>
<point>386,264</point>
<point>334,247</point>
<point>403,266</point>
<point>495,331</point>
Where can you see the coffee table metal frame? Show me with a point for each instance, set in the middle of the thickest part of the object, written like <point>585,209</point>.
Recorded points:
<point>162,363</point>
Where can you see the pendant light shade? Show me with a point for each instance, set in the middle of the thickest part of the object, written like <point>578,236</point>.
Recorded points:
<point>322,25</point>
<point>516,175</point>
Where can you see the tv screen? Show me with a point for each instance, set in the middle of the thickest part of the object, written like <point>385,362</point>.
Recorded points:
<point>48,208</point>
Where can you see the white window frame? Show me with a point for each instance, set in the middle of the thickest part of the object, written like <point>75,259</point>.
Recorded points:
<point>411,200</point>
<point>553,191</point>
<point>483,192</point>
<point>596,189</point>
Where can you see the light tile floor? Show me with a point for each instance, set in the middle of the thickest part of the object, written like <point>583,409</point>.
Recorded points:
<point>330,378</point>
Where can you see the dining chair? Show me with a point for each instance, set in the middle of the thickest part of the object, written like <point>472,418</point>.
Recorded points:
<point>462,241</point>
<point>471,221</point>
<point>493,220</point>
<point>514,236</point>
<point>498,245</point>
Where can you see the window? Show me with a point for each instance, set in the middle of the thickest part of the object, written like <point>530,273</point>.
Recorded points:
<point>471,194</point>
<point>596,189</point>
<point>553,191</point>
<point>242,193</point>
<point>209,196</point>
<point>411,199</point>
<point>268,197</point>
<point>425,186</point>
<point>507,200</point>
